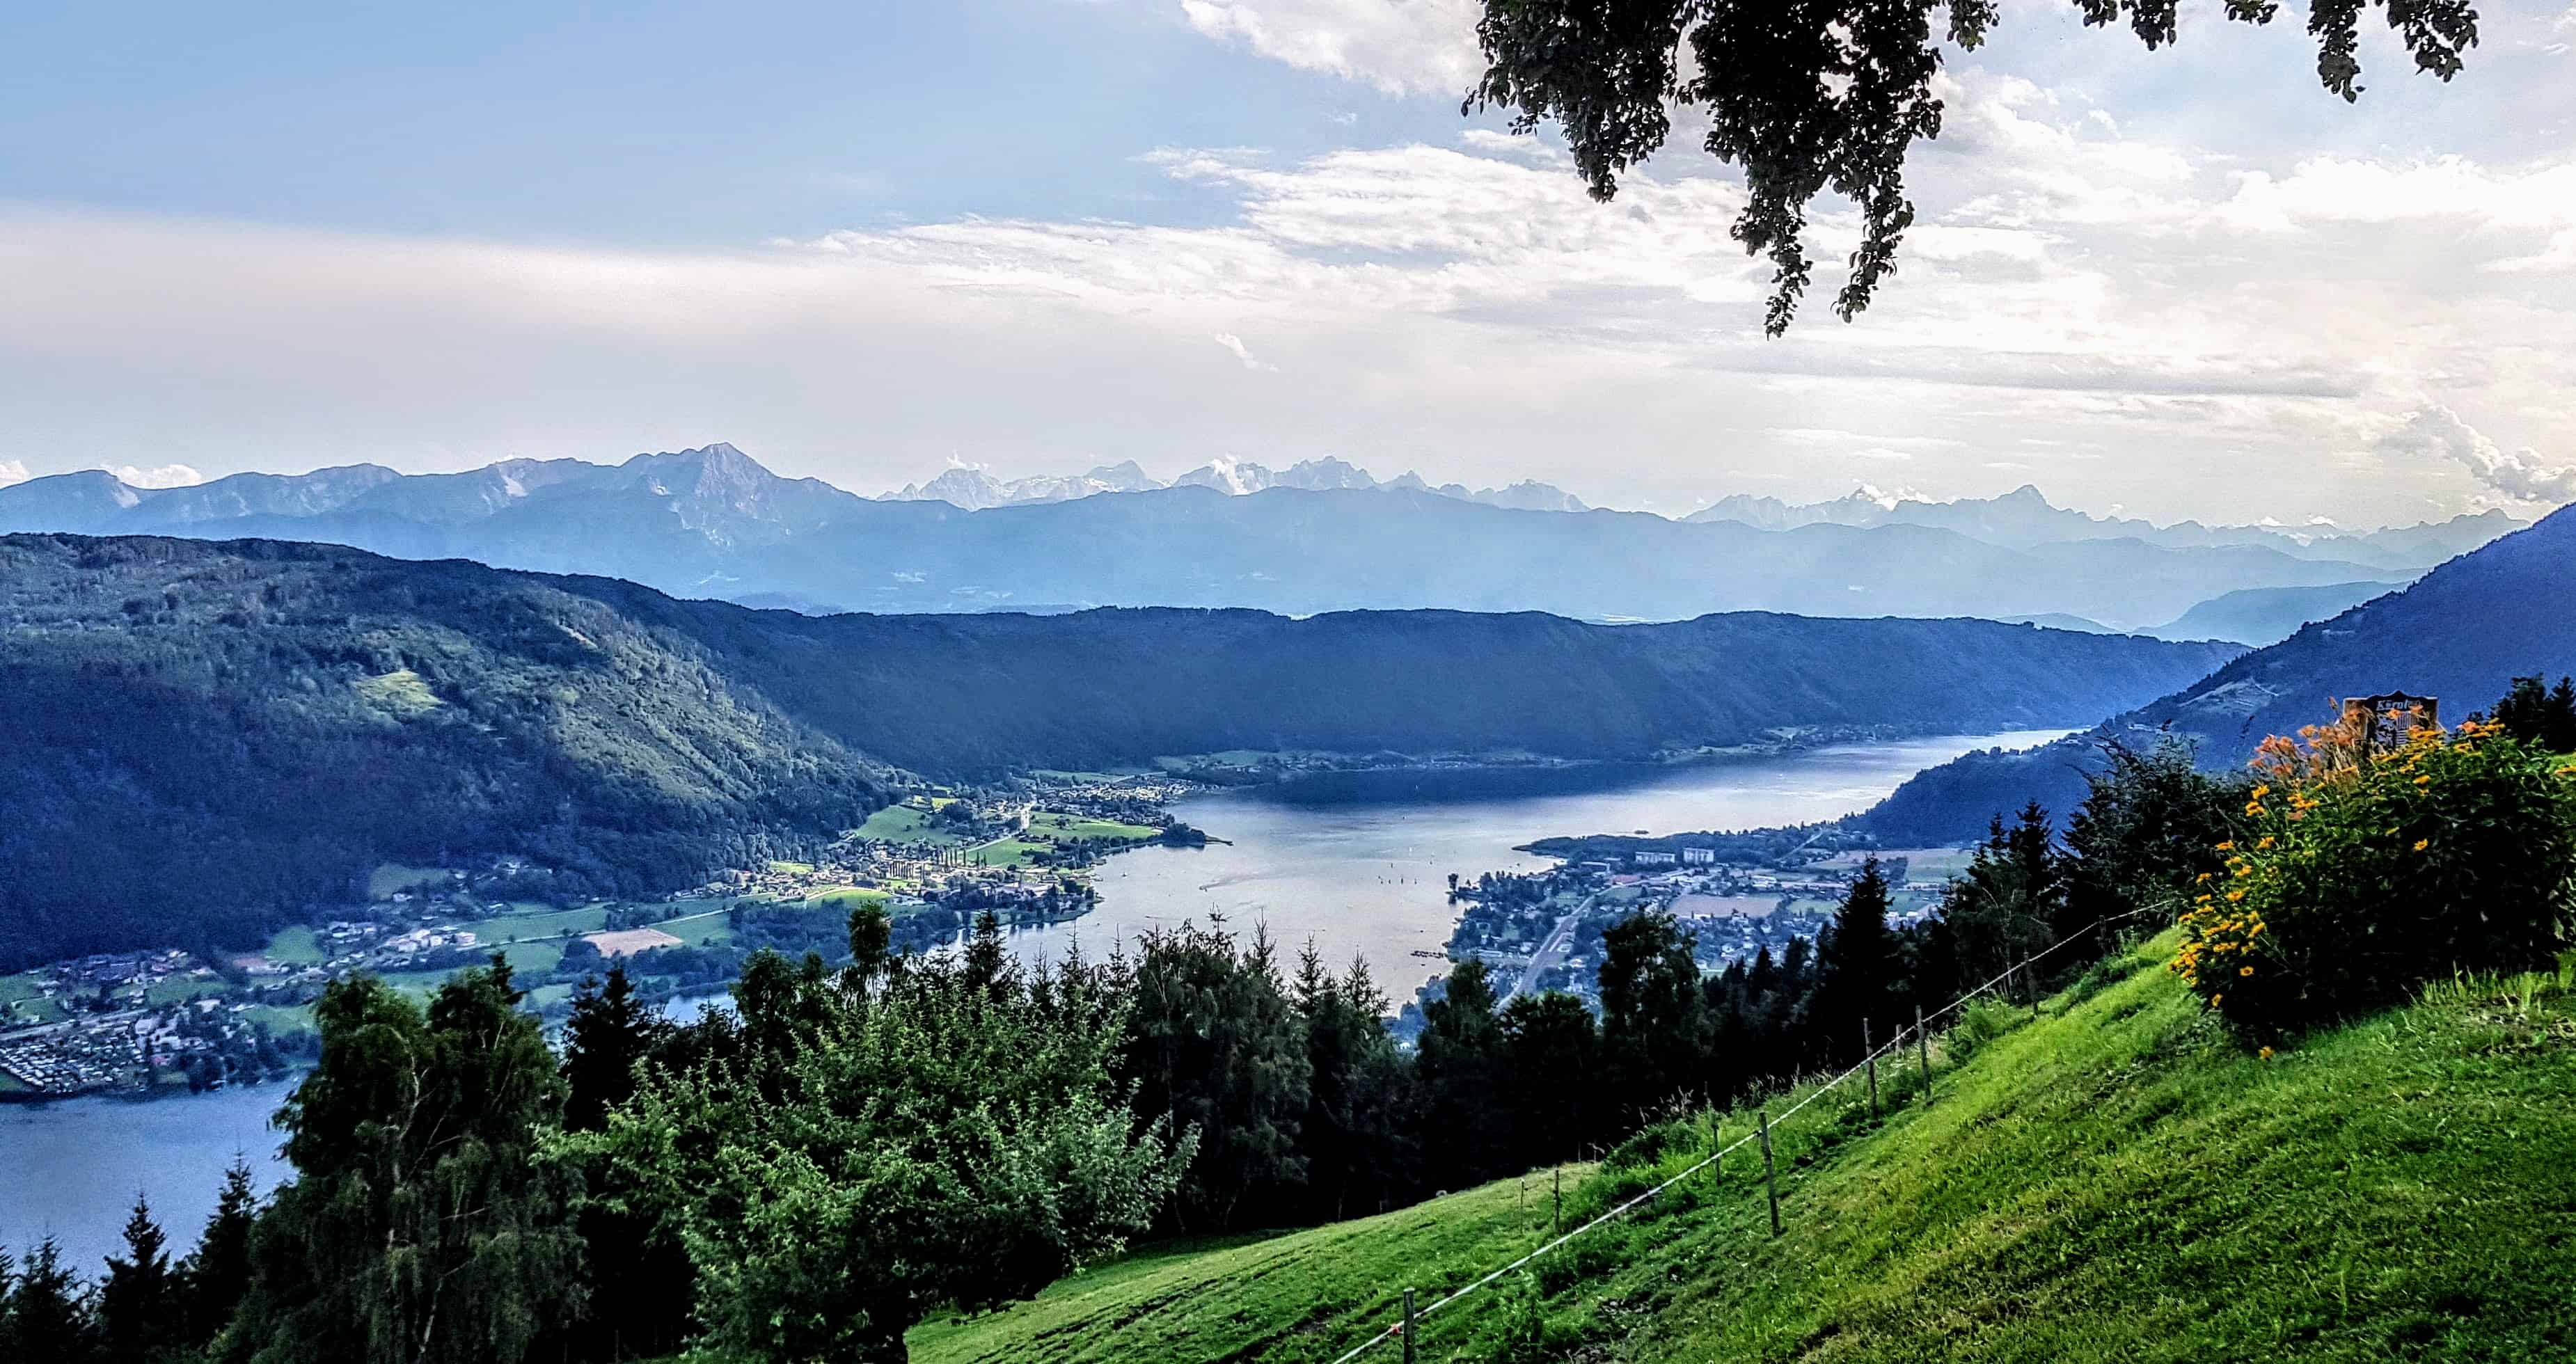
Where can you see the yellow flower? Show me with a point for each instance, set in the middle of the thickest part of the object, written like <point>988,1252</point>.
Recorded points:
<point>2235,895</point>
<point>2424,781</point>
<point>2244,970</point>
<point>2213,1000</point>
<point>2268,841</point>
<point>2422,843</point>
<point>2267,1053</point>
<point>2228,846</point>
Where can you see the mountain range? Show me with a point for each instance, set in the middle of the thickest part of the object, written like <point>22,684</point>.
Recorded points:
<point>2462,634</point>
<point>269,720</point>
<point>713,522</point>
<point>972,489</point>
<point>2025,517</point>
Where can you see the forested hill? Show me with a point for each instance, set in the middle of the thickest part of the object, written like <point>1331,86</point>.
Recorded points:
<point>213,734</point>
<point>2462,634</point>
<point>968,694</point>
<point>203,740</point>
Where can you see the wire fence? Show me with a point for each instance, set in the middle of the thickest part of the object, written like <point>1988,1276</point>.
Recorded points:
<point>1397,1329</point>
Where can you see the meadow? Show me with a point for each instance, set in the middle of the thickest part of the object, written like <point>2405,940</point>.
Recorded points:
<point>2119,1180</point>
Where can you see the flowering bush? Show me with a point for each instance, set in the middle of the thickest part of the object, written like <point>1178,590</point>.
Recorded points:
<point>2367,868</point>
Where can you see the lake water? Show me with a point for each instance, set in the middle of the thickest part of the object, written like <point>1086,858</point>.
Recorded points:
<point>1358,862</point>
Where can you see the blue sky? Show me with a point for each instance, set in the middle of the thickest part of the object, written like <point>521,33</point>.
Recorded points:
<point>651,124</point>
<point>863,241</point>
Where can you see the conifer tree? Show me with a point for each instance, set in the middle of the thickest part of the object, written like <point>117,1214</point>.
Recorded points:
<point>139,1316</point>
<point>1857,970</point>
<point>609,1033</point>
<point>1461,1060</point>
<point>48,1317</point>
<point>217,1272</point>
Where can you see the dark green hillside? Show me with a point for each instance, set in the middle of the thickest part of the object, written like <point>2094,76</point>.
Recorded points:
<point>973,693</point>
<point>211,736</point>
<point>203,740</point>
<point>2463,633</point>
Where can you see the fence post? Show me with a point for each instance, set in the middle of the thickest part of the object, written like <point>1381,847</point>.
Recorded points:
<point>1558,1220</point>
<point>1923,1054</point>
<point>1408,1326</point>
<point>1770,1173</point>
<point>1869,1055</point>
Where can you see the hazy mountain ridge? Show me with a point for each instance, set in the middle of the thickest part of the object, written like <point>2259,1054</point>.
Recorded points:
<point>713,522</point>
<point>2025,517</point>
<point>2257,616</point>
<point>2462,634</point>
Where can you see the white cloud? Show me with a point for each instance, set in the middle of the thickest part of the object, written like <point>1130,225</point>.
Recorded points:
<point>1402,47</point>
<point>2436,431</point>
<point>158,476</point>
<point>1234,344</point>
<point>13,471</point>
<point>2191,334</point>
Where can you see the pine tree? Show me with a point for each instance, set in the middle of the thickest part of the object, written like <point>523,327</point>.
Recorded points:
<point>609,1034</point>
<point>217,1272</point>
<point>138,1303</point>
<point>2540,717</point>
<point>48,1317</point>
<point>1857,971</point>
<point>1461,1062</point>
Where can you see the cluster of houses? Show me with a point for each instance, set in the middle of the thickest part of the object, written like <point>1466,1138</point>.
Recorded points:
<point>77,1057</point>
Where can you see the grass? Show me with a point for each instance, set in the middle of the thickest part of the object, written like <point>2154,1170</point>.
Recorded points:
<point>401,693</point>
<point>30,1004</point>
<point>283,1020</point>
<point>2117,1182</point>
<point>845,897</point>
<point>906,824</point>
<point>1010,852</point>
<point>543,924</point>
<point>1048,827</point>
<point>391,878</point>
<point>297,946</point>
<point>178,989</point>
<point>696,931</point>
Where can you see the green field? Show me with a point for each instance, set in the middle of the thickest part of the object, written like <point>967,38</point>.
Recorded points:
<point>283,1020</point>
<point>30,1004</point>
<point>906,824</point>
<point>175,989</point>
<point>2119,1182</point>
<point>543,924</point>
<point>1049,827</point>
<point>392,877</point>
<point>297,946</point>
<point>698,927</point>
<point>845,898</point>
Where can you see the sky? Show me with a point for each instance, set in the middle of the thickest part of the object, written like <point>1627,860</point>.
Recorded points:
<point>868,241</point>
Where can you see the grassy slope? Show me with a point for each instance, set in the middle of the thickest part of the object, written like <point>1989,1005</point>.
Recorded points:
<point>2118,1182</point>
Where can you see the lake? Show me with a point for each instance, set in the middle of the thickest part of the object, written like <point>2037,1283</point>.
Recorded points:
<point>1359,862</point>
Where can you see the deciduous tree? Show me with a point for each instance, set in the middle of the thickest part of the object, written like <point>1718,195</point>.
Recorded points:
<point>1816,95</point>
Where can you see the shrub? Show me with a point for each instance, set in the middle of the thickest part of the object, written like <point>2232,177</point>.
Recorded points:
<point>2363,873</point>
